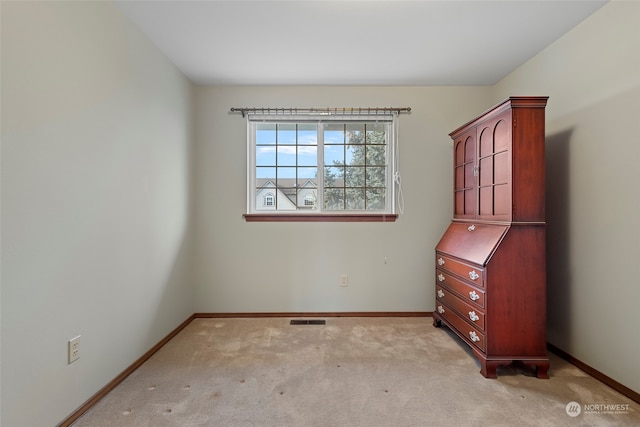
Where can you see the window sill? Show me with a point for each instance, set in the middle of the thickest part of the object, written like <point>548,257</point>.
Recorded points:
<point>320,218</point>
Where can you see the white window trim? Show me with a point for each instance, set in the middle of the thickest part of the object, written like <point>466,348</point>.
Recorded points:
<point>392,175</point>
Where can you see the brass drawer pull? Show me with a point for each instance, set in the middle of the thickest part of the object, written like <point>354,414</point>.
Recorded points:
<point>474,296</point>
<point>473,316</point>
<point>473,275</point>
<point>440,309</point>
<point>471,227</point>
<point>440,278</point>
<point>474,337</point>
<point>440,293</point>
<point>440,261</point>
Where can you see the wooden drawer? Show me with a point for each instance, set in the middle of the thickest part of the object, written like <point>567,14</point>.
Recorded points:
<point>469,272</point>
<point>466,292</point>
<point>469,333</point>
<point>473,315</point>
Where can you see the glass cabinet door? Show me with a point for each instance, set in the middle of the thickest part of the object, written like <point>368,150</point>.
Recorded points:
<point>464,175</point>
<point>494,168</point>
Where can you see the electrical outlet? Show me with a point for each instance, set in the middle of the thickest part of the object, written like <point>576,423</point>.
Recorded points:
<point>74,349</point>
<point>344,280</point>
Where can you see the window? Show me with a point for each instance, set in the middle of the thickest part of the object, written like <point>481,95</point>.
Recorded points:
<point>310,199</point>
<point>321,166</point>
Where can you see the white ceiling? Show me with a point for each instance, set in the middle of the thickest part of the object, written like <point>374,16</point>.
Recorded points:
<point>393,42</point>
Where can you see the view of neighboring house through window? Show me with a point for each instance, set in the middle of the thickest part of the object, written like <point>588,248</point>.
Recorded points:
<point>320,165</point>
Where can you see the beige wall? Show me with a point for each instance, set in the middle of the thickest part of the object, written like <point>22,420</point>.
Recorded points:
<point>293,267</point>
<point>110,201</point>
<point>96,131</point>
<point>592,76</point>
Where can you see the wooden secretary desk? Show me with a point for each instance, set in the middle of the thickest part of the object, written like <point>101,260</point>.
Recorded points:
<point>490,262</point>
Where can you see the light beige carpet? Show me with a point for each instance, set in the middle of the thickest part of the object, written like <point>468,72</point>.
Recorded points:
<point>351,372</point>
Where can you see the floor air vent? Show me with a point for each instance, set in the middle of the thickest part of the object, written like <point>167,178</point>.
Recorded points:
<point>308,322</point>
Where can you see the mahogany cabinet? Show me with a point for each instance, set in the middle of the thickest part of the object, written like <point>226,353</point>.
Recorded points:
<point>490,262</point>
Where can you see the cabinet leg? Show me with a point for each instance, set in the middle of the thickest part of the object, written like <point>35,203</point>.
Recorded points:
<point>488,369</point>
<point>437,322</point>
<point>542,369</point>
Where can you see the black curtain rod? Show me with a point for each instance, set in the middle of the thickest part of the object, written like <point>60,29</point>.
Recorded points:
<point>341,110</point>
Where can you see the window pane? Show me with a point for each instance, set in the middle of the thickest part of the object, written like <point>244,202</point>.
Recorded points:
<point>265,155</point>
<point>334,177</point>
<point>355,133</point>
<point>308,134</point>
<point>263,173</point>
<point>286,133</point>
<point>355,154</point>
<point>376,177</point>
<point>266,133</point>
<point>307,155</point>
<point>310,200</point>
<point>306,183</point>
<point>376,133</point>
<point>355,198</point>
<point>376,199</point>
<point>308,174</point>
<point>355,177</point>
<point>285,173</point>
<point>307,199</point>
<point>334,133</point>
<point>266,200</point>
<point>286,155</point>
<point>376,155</point>
<point>333,154</point>
<point>334,199</point>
